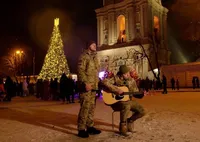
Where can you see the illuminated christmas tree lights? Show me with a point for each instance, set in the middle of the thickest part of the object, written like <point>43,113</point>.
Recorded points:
<point>55,62</point>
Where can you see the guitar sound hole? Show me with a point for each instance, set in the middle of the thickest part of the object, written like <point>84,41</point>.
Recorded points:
<point>118,97</point>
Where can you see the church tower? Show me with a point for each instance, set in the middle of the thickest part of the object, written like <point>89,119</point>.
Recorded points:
<point>120,23</point>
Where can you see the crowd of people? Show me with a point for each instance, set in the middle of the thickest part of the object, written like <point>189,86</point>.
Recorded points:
<point>10,88</point>
<point>63,90</point>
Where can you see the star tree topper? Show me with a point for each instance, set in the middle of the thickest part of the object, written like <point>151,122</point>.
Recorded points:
<point>56,21</point>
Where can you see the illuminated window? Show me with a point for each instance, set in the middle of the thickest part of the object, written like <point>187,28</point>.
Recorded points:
<point>156,25</point>
<point>121,29</point>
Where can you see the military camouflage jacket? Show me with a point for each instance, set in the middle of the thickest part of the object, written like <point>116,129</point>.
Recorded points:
<point>112,83</point>
<point>88,69</point>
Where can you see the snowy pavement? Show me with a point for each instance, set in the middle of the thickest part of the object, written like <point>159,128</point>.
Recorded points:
<point>172,117</point>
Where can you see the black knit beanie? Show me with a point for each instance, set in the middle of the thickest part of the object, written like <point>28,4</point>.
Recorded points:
<point>89,43</point>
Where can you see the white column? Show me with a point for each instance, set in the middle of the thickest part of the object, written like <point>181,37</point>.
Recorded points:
<point>126,26</point>
<point>101,35</point>
<point>165,27</point>
<point>161,24</point>
<point>130,23</point>
<point>98,31</point>
<point>145,22</point>
<point>150,19</point>
<point>141,21</point>
<point>115,29</point>
<point>134,23</point>
<point>109,29</point>
<point>112,28</point>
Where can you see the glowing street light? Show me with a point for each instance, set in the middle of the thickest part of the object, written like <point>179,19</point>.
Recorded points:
<point>18,56</point>
<point>19,52</point>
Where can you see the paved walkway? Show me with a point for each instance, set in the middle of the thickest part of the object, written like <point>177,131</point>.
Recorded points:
<point>171,117</point>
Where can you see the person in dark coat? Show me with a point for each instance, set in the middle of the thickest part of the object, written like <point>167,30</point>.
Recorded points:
<point>146,84</point>
<point>164,82</point>
<point>55,89</point>
<point>70,89</point>
<point>45,94</point>
<point>63,87</point>
<point>173,83</point>
<point>39,88</point>
<point>9,87</point>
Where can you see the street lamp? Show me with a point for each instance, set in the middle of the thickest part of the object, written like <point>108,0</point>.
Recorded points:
<point>19,53</point>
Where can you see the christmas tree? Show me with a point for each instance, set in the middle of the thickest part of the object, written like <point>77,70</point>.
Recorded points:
<point>55,63</point>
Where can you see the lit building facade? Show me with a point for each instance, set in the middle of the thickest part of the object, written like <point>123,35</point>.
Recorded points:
<point>120,23</point>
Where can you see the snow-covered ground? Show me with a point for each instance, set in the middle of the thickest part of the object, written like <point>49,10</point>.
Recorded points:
<point>172,117</point>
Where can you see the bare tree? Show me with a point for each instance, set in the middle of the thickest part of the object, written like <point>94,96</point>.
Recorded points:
<point>153,49</point>
<point>132,53</point>
<point>10,65</point>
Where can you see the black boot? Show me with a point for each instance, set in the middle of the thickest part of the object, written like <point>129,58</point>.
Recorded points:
<point>123,129</point>
<point>129,125</point>
<point>93,131</point>
<point>83,134</point>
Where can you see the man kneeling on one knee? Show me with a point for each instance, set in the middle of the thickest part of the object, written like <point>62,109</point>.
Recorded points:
<point>123,79</point>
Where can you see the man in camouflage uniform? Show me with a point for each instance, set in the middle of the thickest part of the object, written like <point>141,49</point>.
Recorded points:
<point>88,69</point>
<point>123,79</point>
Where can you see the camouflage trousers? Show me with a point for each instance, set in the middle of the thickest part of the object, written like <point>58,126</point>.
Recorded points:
<point>125,108</point>
<point>86,113</point>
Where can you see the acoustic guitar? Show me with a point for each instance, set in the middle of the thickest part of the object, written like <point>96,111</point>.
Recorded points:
<point>111,98</point>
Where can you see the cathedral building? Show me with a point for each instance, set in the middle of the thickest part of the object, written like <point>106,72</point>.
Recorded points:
<point>120,23</point>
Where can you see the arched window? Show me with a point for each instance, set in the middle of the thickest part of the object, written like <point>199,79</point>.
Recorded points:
<point>156,25</point>
<point>121,29</point>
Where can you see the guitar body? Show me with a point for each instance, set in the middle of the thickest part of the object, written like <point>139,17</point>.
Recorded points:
<point>111,98</point>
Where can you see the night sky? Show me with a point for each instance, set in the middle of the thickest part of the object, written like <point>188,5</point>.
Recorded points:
<point>28,24</point>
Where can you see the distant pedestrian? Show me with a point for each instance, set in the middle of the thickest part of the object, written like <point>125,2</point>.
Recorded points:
<point>173,83</point>
<point>164,82</point>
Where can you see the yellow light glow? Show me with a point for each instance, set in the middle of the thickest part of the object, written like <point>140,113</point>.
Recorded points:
<point>55,63</point>
<point>156,22</point>
<point>121,28</point>
<point>19,52</point>
<point>121,20</point>
<point>56,21</point>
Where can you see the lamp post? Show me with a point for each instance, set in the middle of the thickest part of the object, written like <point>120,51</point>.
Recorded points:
<point>19,53</point>
<point>34,64</point>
